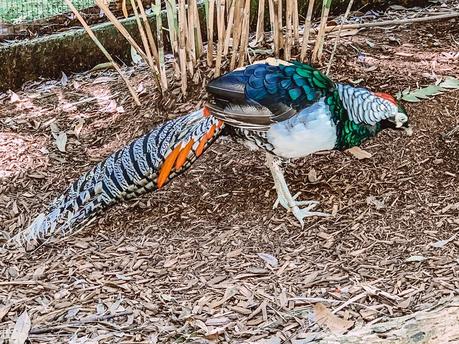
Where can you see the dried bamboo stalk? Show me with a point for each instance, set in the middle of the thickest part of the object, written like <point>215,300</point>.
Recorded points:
<point>197,28</point>
<point>172,23</point>
<point>276,34</point>
<point>191,42</point>
<point>237,32</point>
<point>280,24</point>
<point>289,29</point>
<point>143,35</point>
<point>229,28</point>
<point>221,33</point>
<point>318,47</point>
<point>104,51</point>
<point>307,29</point>
<point>151,40</point>
<point>159,37</point>
<point>210,33</point>
<point>245,34</point>
<point>260,34</point>
<point>182,44</point>
<point>296,23</point>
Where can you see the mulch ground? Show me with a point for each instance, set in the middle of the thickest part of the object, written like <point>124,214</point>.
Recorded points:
<point>207,258</point>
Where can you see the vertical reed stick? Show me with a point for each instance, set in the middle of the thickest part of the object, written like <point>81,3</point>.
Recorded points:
<point>307,29</point>
<point>191,38</point>
<point>296,23</point>
<point>210,34</point>
<point>159,35</point>
<point>229,28</point>
<point>182,44</point>
<point>276,27</point>
<point>318,48</point>
<point>239,5</point>
<point>280,36</point>
<point>221,33</point>
<point>288,24</point>
<point>151,40</point>
<point>245,34</point>
<point>260,35</point>
<point>171,11</point>
<point>143,35</point>
<point>197,28</point>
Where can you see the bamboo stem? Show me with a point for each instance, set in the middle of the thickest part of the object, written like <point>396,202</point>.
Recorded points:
<point>159,35</point>
<point>143,35</point>
<point>237,32</point>
<point>307,29</point>
<point>221,32</point>
<point>171,11</point>
<point>348,10</point>
<point>191,39</point>
<point>151,40</point>
<point>274,7</point>
<point>245,34</point>
<point>229,28</point>
<point>260,34</point>
<point>104,51</point>
<point>318,48</point>
<point>210,34</point>
<point>289,32</point>
<point>280,36</point>
<point>182,44</point>
<point>296,22</point>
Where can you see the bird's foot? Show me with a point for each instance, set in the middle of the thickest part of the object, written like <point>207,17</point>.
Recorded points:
<point>294,207</point>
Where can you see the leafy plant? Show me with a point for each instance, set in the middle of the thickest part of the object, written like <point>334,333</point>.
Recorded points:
<point>420,94</point>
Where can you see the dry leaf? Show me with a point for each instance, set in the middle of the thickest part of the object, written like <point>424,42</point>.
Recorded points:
<point>21,329</point>
<point>14,97</point>
<point>78,127</point>
<point>312,176</point>
<point>324,317</point>
<point>61,141</point>
<point>269,259</point>
<point>359,153</point>
<point>415,259</point>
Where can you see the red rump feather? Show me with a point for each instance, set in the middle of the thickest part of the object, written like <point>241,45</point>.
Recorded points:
<point>387,96</point>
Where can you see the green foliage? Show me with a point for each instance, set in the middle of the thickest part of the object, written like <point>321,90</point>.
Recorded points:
<point>18,11</point>
<point>420,94</point>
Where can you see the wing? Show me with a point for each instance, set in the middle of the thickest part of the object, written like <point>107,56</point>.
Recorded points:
<point>260,94</point>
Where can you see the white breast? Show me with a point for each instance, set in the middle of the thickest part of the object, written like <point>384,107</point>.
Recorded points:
<point>311,130</point>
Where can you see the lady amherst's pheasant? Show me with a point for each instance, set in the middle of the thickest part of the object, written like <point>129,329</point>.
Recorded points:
<point>289,110</point>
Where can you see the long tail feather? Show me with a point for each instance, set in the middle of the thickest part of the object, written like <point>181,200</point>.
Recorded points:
<point>148,163</point>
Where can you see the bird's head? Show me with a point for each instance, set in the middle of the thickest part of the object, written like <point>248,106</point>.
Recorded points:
<point>398,118</point>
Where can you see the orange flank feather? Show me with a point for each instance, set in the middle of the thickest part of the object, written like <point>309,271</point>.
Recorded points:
<point>167,167</point>
<point>211,132</point>
<point>201,146</point>
<point>181,159</point>
<point>386,96</point>
<point>220,124</point>
<point>206,111</point>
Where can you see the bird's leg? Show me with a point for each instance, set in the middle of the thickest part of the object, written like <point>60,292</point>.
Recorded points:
<point>285,198</point>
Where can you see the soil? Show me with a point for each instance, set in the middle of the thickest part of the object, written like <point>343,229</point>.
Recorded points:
<point>207,259</point>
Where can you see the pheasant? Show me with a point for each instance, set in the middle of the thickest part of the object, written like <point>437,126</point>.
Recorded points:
<point>286,109</point>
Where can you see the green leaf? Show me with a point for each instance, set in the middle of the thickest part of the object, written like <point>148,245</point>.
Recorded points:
<point>450,83</point>
<point>429,91</point>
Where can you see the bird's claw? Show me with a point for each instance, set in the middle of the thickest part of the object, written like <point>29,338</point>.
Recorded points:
<point>294,207</point>
<point>301,213</point>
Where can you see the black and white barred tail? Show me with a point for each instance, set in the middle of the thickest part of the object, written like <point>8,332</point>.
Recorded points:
<point>146,164</point>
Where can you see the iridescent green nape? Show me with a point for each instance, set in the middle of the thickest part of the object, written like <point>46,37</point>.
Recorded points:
<point>349,133</point>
